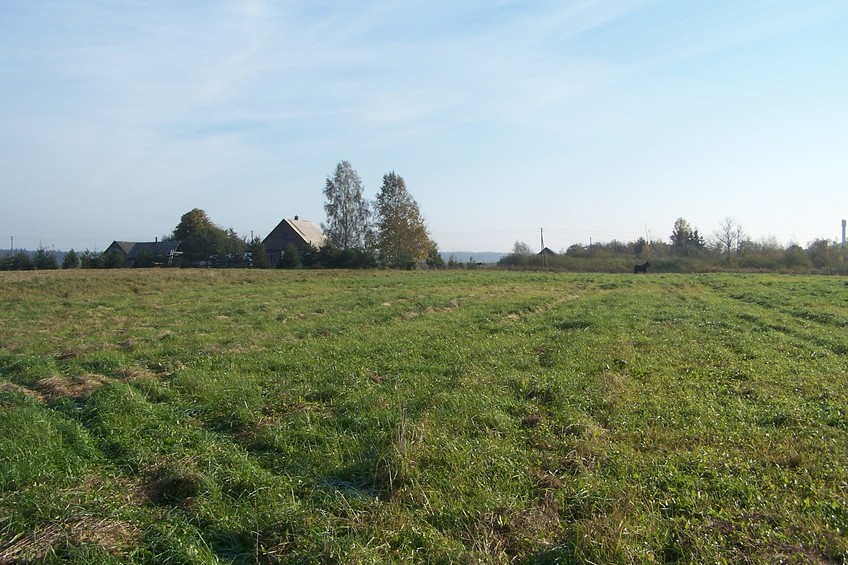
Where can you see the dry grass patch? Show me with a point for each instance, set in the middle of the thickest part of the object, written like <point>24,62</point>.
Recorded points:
<point>512,532</point>
<point>128,344</point>
<point>452,305</point>
<point>546,481</point>
<point>12,387</point>
<point>137,374</point>
<point>112,536</point>
<point>79,350</point>
<point>73,387</point>
<point>80,386</point>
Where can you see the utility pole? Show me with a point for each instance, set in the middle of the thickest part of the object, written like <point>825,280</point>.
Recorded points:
<point>544,255</point>
<point>13,244</point>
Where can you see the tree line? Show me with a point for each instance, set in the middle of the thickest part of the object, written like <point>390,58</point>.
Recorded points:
<point>388,232</point>
<point>687,250</point>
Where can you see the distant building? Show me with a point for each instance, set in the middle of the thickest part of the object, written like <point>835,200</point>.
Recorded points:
<point>546,252</point>
<point>300,233</point>
<point>144,253</point>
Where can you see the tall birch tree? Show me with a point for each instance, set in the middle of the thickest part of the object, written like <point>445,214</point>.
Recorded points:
<point>347,211</point>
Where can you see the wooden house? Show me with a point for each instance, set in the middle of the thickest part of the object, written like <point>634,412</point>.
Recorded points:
<point>145,253</point>
<point>302,234</point>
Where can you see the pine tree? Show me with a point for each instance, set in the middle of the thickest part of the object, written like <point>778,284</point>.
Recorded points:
<point>681,234</point>
<point>685,239</point>
<point>257,253</point>
<point>44,260</point>
<point>71,260</point>
<point>89,260</point>
<point>290,259</point>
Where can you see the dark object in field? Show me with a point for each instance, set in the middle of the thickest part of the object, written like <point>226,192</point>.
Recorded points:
<point>643,268</point>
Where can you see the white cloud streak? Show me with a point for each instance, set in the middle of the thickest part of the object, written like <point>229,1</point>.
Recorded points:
<point>154,97</point>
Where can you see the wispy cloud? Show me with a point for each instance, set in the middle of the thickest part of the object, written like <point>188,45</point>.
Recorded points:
<point>149,96</point>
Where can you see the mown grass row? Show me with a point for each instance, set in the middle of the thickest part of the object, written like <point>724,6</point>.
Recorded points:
<point>209,416</point>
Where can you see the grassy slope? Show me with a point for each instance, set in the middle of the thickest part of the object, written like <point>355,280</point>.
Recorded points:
<point>195,416</point>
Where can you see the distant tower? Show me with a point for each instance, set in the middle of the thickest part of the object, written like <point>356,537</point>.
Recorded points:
<point>843,232</point>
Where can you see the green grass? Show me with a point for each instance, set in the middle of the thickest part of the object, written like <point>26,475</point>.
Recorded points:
<point>266,416</point>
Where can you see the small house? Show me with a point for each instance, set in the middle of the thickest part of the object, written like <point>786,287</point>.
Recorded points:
<point>302,234</point>
<point>144,253</point>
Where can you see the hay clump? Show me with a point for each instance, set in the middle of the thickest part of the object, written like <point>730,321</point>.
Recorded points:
<point>74,387</point>
<point>112,536</point>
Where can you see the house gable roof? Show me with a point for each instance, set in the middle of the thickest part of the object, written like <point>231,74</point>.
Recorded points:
<point>309,232</point>
<point>134,249</point>
<point>125,246</point>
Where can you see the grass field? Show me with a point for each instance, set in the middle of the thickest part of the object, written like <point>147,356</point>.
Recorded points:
<point>206,416</point>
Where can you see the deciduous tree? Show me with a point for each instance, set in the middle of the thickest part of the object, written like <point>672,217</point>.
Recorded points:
<point>729,236</point>
<point>191,223</point>
<point>402,238</point>
<point>820,252</point>
<point>347,211</point>
<point>203,242</point>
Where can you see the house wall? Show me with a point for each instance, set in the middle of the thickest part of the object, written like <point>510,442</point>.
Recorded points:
<point>279,239</point>
<point>115,248</point>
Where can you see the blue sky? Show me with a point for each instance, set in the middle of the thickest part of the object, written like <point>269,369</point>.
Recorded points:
<point>588,118</point>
